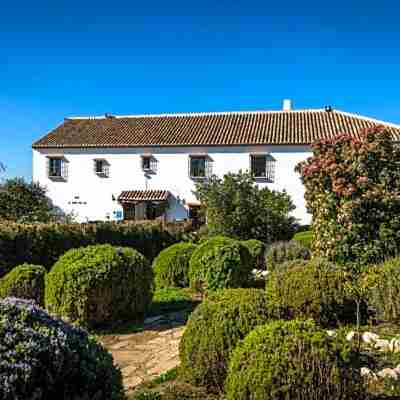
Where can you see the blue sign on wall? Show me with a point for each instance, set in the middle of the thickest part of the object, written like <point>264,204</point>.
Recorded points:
<point>118,214</point>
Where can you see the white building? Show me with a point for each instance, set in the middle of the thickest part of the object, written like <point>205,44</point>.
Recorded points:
<point>146,166</point>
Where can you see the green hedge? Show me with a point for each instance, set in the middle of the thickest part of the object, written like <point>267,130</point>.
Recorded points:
<point>213,331</point>
<point>305,238</point>
<point>384,296</point>
<point>316,290</point>
<point>219,263</point>
<point>99,285</point>
<point>281,252</point>
<point>43,244</point>
<point>256,249</point>
<point>26,282</point>
<point>293,360</point>
<point>172,264</point>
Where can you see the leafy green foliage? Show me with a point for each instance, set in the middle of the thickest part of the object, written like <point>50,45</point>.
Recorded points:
<point>384,281</point>
<point>293,360</point>
<point>99,285</point>
<point>25,281</point>
<point>352,185</point>
<point>171,299</point>
<point>219,263</point>
<point>316,290</point>
<point>281,252</point>
<point>172,264</point>
<point>237,208</point>
<point>43,244</point>
<point>21,201</point>
<point>305,238</point>
<point>213,331</point>
<point>256,249</point>
<point>44,358</point>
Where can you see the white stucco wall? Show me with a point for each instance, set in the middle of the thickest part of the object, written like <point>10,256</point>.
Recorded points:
<point>93,194</point>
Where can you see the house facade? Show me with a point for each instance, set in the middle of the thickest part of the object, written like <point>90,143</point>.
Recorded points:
<point>146,167</point>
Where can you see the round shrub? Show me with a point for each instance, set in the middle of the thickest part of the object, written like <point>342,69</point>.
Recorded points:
<point>45,358</point>
<point>99,285</point>
<point>219,263</point>
<point>256,249</point>
<point>214,329</point>
<point>293,360</point>
<point>281,252</point>
<point>316,290</point>
<point>384,296</point>
<point>172,264</point>
<point>26,282</point>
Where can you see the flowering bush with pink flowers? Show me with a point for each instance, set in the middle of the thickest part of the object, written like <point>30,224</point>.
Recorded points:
<point>353,191</point>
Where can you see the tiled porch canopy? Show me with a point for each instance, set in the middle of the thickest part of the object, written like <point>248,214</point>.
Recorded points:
<point>137,196</point>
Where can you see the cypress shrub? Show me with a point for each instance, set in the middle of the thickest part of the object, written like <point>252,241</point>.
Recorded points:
<point>43,244</point>
<point>25,281</point>
<point>44,358</point>
<point>281,252</point>
<point>99,285</point>
<point>256,249</point>
<point>293,360</point>
<point>315,290</point>
<point>214,329</point>
<point>384,296</point>
<point>219,263</point>
<point>172,264</point>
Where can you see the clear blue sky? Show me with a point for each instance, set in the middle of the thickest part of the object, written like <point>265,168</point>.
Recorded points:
<point>65,58</point>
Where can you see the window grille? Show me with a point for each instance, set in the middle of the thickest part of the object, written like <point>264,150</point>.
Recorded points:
<point>149,164</point>
<point>200,167</point>
<point>262,166</point>
<point>57,168</point>
<point>101,168</point>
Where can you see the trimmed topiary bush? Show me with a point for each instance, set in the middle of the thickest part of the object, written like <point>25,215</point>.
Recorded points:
<point>281,252</point>
<point>172,265</point>
<point>99,285</point>
<point>256,249</point>
<point>293,360</point>
<point>45,358</point>
<point>26,282</point>
<point>219,263</point>
<point>213,331</point>
<point>305,238</point>
<point>384,296</point>
<point>317,290</point>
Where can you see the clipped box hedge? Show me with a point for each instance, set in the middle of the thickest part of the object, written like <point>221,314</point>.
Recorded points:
<point>43,244</point>
<point>26,282</point>
<point>100,285</point>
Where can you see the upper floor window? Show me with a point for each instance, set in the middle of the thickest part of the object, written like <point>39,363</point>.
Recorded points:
<point>149,164</point>
<point>200,167</point>
<point>262,166</point>
<point>57,168</point>
<point>101,168</point>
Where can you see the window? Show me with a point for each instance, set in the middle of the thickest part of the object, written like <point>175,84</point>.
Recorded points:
<point>101,168</point>
<point>200,166</point>
<point>262,166</point>
<point>149,164</point>
<point>57,168</point>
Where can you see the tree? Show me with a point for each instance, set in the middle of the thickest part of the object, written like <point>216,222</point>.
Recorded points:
<point>236,207</point>
<point>21,201</point>
<point>352,189</point>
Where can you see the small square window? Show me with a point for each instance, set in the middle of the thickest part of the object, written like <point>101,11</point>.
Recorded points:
<point>200,167</point>
<point>149,164</point>
<point>262,166</point>
<point>57,168</point>
<point>101,168</point>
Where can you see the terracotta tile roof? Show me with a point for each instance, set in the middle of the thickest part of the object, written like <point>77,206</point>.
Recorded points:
<point>226,128</point>
<point>133,196</point>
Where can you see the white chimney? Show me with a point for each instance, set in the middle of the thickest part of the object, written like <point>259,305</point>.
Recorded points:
<point>287,105</point>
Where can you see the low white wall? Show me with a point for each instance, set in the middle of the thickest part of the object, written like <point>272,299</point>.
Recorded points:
<point>91,197</point>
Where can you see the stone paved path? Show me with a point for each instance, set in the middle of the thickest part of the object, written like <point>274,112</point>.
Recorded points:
<point>147,354</point>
